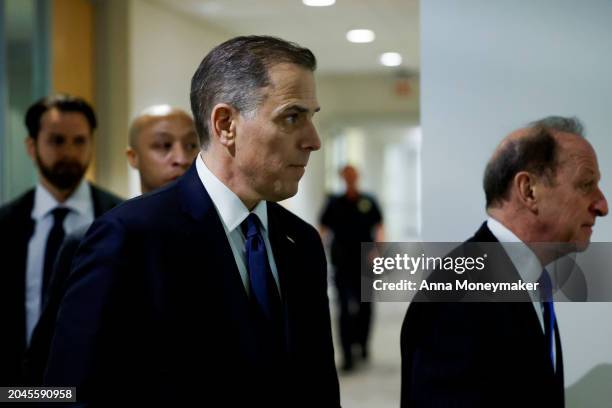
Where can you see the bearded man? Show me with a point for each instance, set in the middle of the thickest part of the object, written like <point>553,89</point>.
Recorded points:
<point>32,227</point>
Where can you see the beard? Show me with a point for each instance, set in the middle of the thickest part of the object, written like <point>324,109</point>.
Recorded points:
<point>64,174</point>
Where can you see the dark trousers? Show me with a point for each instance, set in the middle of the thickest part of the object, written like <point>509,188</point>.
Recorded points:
<point>355,316</point>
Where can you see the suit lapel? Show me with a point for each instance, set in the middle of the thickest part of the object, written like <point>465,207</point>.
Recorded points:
<point>530,319</point>
<point>284,248</point>
<point>520,308</point>
<point>206,224</point>
<point>102,202</point>
<point>24,225</point>
<point>559,358</point>
<point>207,233</point>
<point>24,228</point>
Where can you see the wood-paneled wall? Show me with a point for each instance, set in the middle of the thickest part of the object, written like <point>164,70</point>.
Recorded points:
<point>72,51</point>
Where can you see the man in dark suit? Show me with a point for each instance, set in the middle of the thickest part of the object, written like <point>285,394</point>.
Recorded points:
<point>60,143</point>
<point>541,186</point>
<point>207,288</point>
<point>162,145</point>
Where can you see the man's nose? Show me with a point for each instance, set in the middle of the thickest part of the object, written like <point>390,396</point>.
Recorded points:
<point>600,206</point>
<point>72,150</point>
<point>311,140</point>
<point>180,157</point>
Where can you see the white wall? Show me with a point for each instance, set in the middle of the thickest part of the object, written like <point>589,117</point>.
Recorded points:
<point>112,94</point>
<point>166,47</point>
<point>489,67</point>
<point>368,102</point>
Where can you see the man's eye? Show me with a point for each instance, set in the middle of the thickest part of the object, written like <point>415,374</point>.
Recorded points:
<point>588,186</point>
<point>165,145</point>
<point>292,119</point>
<point>162,146</point>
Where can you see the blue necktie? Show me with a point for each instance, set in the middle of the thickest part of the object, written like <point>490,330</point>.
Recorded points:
<point>54,241</point>
<point>261,282</point>
<point>549,313</point>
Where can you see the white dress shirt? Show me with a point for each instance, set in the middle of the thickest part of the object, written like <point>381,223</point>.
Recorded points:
<point>233,212</point>
<point>81,213</point>
<point>526,263</point>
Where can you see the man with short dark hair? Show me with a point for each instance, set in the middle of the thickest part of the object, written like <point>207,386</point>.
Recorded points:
<point>541,186</point>
<point>60,143</point>
<point>208,286</point>
<point>162,145</point>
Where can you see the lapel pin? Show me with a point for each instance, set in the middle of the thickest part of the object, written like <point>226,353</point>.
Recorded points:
<point>290,239</point>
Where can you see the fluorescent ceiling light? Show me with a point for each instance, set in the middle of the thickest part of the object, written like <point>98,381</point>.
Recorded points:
<point>391,59</point>
<point>319,3</point>
<point>360,36</point>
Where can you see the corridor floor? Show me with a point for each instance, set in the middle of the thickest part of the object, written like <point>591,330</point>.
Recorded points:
<point>376,383</point>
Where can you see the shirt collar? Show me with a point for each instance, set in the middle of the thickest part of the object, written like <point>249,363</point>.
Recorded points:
<point>230,208</point>
<point>79,201</point>
<point>524,260</point>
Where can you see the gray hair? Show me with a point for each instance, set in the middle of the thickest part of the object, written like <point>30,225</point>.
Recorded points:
<point>535,152</point>
<point>559,124</point>
<point>234,73</point>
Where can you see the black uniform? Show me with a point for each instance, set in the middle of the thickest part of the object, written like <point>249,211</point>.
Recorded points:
<point>352,222</point>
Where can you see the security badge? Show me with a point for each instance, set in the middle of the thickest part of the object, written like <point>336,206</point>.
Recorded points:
<point>364,205</point>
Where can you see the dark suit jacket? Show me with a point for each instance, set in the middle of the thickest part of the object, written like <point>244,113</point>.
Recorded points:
<point>478,354</point>
<point>156,312</point>
<point>16,229</point>
<point>37,353</point>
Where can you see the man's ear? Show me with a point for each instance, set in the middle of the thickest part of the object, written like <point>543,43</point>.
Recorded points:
<point>526,188</point>
<point>30,145</point>
<point>223,123</point>
<point>132,157</point>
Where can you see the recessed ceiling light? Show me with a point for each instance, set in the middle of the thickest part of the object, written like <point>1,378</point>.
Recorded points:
<point>360,36</point>
<point>211,7</point>
<point>318,3</point>
<point>391,59</point>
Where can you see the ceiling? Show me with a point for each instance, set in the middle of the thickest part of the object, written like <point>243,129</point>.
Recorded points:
<point>322,29</point>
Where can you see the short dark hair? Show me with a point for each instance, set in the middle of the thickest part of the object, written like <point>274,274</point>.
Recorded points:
<point>61,102</point>
<point>235,71</point>
<point>535,152</point>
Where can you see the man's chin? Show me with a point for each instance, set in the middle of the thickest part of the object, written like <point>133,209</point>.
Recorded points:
<point>582,245</point>
<point>282,192</point>
<point>66,182</point>
<point>65,178</point>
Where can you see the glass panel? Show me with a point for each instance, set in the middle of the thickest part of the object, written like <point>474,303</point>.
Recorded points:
<point>24,78</point>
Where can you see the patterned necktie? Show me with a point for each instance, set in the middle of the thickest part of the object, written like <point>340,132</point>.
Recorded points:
<point>261,282</point>
<point>549,313</point>
<point>54,241</point>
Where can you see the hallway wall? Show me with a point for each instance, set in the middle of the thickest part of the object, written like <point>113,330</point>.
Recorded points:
<point>149,53</point>
<point>488,68</point>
